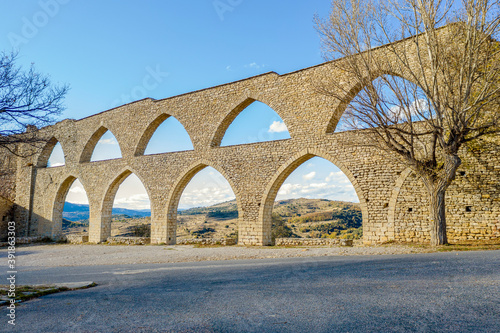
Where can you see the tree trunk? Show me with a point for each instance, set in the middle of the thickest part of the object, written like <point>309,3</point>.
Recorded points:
<point>437,217</point>
<point>436,188</point>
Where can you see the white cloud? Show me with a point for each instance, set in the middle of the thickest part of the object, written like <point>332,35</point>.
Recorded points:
<point>228,68</point>
<point>77,194</point>
<point>207,196</point>
<point>400,113</point>
<point>288,188</point>
<point>109,142</point>
<point>318,190</point>
<point>309,176</point>
<point>254,65</point>
<point>277,127</point>
<point>77,201</point>
<point>336,176</point>
<point>56,164</point>
<point>136,201</point>
<point>76,189</point>
<point>318,185</point>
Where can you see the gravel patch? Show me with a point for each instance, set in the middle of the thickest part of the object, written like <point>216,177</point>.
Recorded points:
<point>84,255</point>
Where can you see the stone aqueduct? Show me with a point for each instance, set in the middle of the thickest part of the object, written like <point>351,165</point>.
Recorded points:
<point>393,200</point>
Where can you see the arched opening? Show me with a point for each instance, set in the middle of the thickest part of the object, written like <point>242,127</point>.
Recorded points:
<point>101,146</point>
<point>126,210</point>
<point>70,213</point>
<point>385,100</point>
<point>164,135</point>
<point>52,155</point>
<point>203,205</point>
<point>251,121</point>
<point>56,158</point>
<point>107,148</point>
<point>313,196</point>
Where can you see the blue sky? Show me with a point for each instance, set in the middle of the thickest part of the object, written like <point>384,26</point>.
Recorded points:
<point>114,52</point>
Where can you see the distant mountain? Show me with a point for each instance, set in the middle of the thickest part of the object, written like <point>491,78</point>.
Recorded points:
<point>291,218</point>
<point>78,212</point>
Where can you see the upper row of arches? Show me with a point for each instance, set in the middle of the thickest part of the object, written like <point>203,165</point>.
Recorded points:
<point>253,122</point>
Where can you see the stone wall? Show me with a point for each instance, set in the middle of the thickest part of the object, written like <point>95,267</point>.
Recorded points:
<point>76,239</point>
<point>207,241</point>
<point>129,240</point>
<point>313,242</point>
<point>6,215</point>
<point>472,200</point>
<point>8,167</point>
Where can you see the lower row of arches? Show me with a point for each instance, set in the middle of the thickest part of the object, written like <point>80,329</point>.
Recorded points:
<point>308,197</point>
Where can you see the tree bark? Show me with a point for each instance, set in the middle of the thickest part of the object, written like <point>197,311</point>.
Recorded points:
<point>437,217</point>
<point>436,187</point>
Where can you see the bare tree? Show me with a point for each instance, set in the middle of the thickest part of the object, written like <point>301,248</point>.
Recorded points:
<point>433,87</point>
<point>28,101</point>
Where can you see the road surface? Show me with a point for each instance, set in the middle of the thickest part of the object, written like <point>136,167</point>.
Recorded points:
<point>433,292</point>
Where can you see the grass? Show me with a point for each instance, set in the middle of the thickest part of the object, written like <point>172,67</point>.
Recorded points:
<point>25,293</point>
<point>208,245</point>
<point>462,246</point>
<point>469,246</point>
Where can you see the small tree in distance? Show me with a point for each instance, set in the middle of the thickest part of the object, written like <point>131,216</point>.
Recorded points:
<point>28,101</point>
<point>432,88</point>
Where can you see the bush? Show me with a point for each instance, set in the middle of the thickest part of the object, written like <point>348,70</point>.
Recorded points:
<point>348,217</point>
<point>224,214</point>
<point>352,233</point>
<point>203,232</point>
<point>141,230</point>
<point>279,229</point>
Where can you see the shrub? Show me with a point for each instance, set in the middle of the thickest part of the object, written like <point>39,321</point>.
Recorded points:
<point>142,230</point>
<point>203,232</point>
<point>279,229</point>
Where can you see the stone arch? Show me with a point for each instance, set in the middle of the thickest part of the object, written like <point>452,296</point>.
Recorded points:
<point>391,214</point>
<point>266,206</point>
<point>179,186</point>
<point>43,158</point>
<point>92,142</point>
<point>56,213</point>
<point>231,116</point>
<point>112,188</point>
<point>353,92</point>
<point>150,130</point>
<point>106,205</point>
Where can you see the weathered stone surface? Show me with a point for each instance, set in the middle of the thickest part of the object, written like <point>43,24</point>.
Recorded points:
<point>77,239</point>
<point>129,240</point>
<point>207,241</point>
<point>313,242</point>
<point>33,239</point>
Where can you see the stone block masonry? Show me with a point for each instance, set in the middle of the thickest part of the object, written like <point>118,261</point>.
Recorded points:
<point>313,242</point>
<point>129,240</point>
<point>207,241</point>
<point>77,239</point>
<point>393,201</point>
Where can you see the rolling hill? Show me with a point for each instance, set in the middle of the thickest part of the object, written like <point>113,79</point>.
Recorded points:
<point>77,212</point>
<point>291,218</point>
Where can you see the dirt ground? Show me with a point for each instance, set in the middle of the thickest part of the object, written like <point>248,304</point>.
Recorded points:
<point>54,255</point>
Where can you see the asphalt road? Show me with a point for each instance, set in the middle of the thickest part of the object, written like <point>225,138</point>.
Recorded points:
<point>439,292</point>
